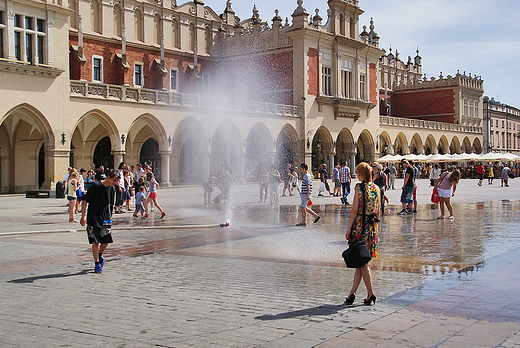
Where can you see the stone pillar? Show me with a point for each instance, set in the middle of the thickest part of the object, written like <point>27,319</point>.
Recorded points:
<point>165,168</point>
<point>56,164</point>
<point>118,157</point>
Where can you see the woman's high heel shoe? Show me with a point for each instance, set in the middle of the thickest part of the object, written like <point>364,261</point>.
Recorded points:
<point>350,300</point>
<point>370,300</point>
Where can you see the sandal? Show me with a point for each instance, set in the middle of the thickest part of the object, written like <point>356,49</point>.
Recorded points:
<point>441,217</point>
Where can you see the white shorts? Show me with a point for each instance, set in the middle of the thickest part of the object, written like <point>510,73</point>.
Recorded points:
<point>444,193</point>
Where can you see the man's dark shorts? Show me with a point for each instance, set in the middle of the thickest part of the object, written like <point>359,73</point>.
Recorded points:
<point>407,194</point>
<point>480,176</point>
<point>286,184</point>
<point>99,235</point>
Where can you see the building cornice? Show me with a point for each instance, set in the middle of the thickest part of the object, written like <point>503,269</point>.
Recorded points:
<point>18,67</point>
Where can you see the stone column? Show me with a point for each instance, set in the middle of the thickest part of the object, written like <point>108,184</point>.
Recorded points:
<point>118,157</point>
<point>165,168</point>
<point>56,164</point>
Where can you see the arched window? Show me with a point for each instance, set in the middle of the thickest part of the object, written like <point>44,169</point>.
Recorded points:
<point>138,25</point>
<point>208,39</point>
<point>352,28</point>
<point>193,37</point>
<point>176,38</point>
<point>95,10</point>
<point>341,25</point>
<point>118,21</point>
<point>157,29</point>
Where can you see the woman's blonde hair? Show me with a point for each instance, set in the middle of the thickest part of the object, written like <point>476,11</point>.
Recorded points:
<point>455,177</point>
<point>363,169</point>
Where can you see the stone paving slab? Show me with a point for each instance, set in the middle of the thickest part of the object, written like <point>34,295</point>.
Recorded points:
<point>258,283</point>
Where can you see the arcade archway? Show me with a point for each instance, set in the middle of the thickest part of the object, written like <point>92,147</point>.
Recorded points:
<point>26,138</point>
<point>93,141</point>
<point>365,148</point>
<point>190,161</point>
<point>286,147</point>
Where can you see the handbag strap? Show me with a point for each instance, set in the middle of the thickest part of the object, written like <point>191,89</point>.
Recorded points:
<point>364,215</point>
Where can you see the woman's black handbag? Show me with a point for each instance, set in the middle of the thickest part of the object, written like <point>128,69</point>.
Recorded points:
<point>357,255</point>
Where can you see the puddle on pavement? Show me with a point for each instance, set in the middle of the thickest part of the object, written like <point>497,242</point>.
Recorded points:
<point>417,243</point>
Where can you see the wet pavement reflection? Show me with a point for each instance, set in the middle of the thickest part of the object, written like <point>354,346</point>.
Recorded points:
<point>414,248</point>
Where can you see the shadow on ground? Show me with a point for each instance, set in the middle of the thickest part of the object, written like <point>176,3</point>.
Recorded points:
<point>314,311</point>
<point>47,276</point>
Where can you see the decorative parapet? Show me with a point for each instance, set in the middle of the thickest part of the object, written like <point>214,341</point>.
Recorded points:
<point>458,81</point>
<point>250,36</point>
<point>427,125</point>
<point>24,68</point>
<point>84,89</point>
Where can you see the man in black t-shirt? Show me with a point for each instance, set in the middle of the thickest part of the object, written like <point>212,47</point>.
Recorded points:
<point>408,188</point>
<point>100,174</point>
<point>101,199</point>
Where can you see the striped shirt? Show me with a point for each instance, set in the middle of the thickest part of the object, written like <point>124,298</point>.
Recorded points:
<point>306,181</point>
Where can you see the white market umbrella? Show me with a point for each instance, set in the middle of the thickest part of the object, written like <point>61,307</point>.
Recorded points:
<point>421,158</point>
<point>509,157</point>
<point>439,158</point>
<point>410,157</point>
<point>490,157</point>
<point>458,157</point>
<point>386,159</point>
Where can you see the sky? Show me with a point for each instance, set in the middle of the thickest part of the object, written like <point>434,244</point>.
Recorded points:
<point>481,37</point>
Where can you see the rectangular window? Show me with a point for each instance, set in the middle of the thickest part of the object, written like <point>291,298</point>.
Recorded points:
<point>138,75</point>
<point>40,25</point>
<point>18,21</point>
<point>1,42</point>
<point>2,18</point>
<point>471,108</point>
<point>29,53</point>
<point>29,23</point>
<point>97,69</point>
<point>502,124</point>
<point>205,83</point>
<point>326,74</point>
<point>346,86</point>
<point>18,45</point>
<point>362,87</point>
<point>40,47</point>
<point>465,111</point>
<point>173,80</point>
<point>497,123</point>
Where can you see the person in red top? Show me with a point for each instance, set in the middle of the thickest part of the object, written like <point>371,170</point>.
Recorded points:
<point>480,173</point>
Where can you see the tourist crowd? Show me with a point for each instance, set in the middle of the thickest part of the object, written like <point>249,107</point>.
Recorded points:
<point>136,189</point>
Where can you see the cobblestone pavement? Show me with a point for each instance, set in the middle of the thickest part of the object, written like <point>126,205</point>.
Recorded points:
<point>262,282</point>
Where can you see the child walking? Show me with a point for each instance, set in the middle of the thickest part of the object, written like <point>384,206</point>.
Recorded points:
<point>139,197</point>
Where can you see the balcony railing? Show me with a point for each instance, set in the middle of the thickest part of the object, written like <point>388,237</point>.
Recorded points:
<point>427,125</point>
<point>175,99</point>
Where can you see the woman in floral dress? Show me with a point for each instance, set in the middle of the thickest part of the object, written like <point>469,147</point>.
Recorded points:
<point>354,231</point>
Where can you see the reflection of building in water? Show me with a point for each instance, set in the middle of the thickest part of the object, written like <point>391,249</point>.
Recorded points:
<point>190,91</point>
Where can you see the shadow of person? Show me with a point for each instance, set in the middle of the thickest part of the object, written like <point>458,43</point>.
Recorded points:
<point>46,276</point>
<point>314,311</point>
